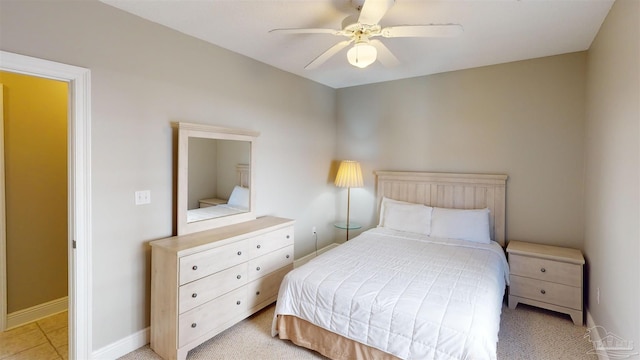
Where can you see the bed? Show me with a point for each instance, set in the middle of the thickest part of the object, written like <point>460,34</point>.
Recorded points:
<point>427,283</point>
<point>237,203</point>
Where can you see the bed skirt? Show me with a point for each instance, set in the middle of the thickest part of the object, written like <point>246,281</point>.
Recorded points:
<point>331,345</point>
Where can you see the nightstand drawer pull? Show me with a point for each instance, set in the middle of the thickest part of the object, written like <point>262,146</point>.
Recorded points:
<point>193,325</point>
<point>194,295</point>
<point>195,267</point>
<point>542,292</point>
<point>238,302</point>
<point>287,256</point>
<point>287,236</point>
<point>543,270</point>
<point>258,268</point>
<point>239,277</point>
<point>258,246</point>
<point>239,253</point>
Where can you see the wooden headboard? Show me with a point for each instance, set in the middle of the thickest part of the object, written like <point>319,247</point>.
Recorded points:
<point>244,175</point>
<point>448,190</point>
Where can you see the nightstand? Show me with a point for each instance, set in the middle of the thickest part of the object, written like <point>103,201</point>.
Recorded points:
<point>211,202</point>
<point>545,276</point>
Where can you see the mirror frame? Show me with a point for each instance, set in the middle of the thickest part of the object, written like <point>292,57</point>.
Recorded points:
<point>190,130</point>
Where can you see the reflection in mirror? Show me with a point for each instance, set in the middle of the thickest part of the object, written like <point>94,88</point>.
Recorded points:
<point>215,168</point>
<point>215,171</point>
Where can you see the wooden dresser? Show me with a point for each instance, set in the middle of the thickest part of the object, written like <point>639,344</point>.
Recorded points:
<point>549,277</point>
<point>205,282</point>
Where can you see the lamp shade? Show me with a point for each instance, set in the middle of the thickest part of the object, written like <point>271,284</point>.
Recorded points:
<point>362,54</point>
<point>349,174</point>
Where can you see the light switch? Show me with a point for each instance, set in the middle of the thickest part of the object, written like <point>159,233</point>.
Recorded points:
<point>143,197</point>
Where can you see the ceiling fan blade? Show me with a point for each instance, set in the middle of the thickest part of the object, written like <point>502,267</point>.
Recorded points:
<point>327,54</point>
<point>435,30</point>
<point>307,31</point>
<point>385,56</point>
<point>373,10</point>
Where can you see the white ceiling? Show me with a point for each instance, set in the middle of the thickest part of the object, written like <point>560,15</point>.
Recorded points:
<point>495,31</point>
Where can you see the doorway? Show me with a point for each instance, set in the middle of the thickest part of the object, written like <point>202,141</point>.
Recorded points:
<point>79,193</point>
<point>36,199</point>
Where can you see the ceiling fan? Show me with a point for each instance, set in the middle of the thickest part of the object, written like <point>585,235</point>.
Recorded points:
<point>360,32</point>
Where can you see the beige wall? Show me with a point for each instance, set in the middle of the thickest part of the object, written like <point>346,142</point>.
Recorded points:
<point>35,151</point>
<point>143,77</point>
<point>612,191</point>
<point>524,119</point>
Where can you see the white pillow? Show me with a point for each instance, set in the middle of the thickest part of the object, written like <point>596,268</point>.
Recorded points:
<point>239,197</point>
<point>405,216</point>
<point>415,218</point>
<point>470,225</point>
<point>384,203</point>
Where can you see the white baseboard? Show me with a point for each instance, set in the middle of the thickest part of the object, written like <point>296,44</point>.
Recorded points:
<point>34,313</point>
<point>123,346</point>
<point>595,337</point>
<point>303,260</point>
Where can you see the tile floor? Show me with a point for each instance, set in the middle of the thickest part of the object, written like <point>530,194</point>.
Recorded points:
<point>45,339</point>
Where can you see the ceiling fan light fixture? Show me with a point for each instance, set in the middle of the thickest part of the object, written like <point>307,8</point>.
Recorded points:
<point>362,54</point>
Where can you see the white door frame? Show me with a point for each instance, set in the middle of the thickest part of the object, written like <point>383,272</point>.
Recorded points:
<point>79,157</point>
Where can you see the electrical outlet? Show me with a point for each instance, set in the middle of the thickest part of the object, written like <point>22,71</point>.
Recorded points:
<point>143,197</point>
<point>313,230</point>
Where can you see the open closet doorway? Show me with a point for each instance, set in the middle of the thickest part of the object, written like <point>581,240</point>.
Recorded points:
<point>79,197</point>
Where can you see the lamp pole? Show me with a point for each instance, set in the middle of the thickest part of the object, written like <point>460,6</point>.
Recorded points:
<point>348,209</point>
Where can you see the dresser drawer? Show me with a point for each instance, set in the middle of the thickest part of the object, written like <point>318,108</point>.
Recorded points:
<point>547,270</point>
<point>265,264</point>
<point>210,287</point>
<point>196,266</point>
<point>207,317</point>
<point>266,287</point>
<point>271,241</point>
<point>552,293</point>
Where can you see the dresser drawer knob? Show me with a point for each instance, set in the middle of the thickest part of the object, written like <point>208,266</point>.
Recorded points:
<point>238,277</point>
<point>239,253</point>
<point>258,246</point>
<point>194,267</point>
<point>194,325</point>
<point>542,292</point>
<point>238,302</point>
<point>194,295</point>
<point>257,293</point>
<point>287,256</point>
<point>287,236</point>
<point>543,270</point>
<point>258,268</point>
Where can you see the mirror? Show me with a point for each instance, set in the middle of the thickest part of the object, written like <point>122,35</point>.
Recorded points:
<point>215,176</point>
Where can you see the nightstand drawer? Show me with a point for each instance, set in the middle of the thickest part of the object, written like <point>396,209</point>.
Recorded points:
<point>552,293</point>
<point>547,270</point>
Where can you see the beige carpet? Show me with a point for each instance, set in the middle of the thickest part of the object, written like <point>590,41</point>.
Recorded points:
<point>525,333</point>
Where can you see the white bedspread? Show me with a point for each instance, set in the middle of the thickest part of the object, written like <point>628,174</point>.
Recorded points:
<point>409,295</point>
<point>210,212</point>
